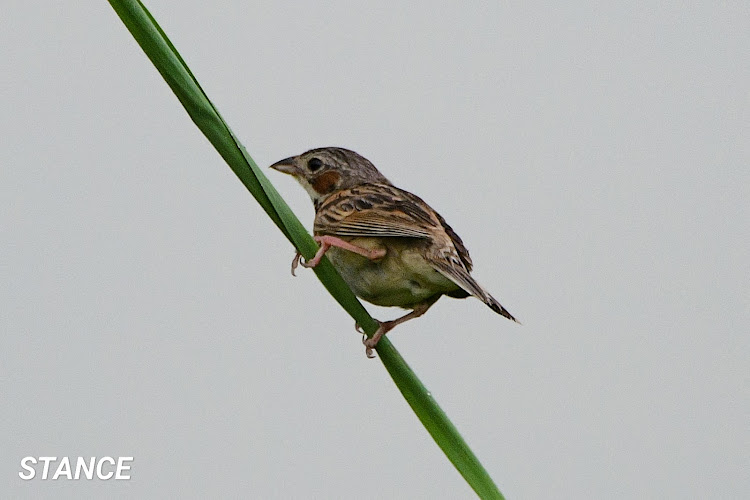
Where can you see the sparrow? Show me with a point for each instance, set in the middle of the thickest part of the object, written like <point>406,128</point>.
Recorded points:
<point>389,246</point>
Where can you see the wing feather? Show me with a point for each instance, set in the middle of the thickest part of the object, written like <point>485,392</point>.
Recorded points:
<point>376,211</point>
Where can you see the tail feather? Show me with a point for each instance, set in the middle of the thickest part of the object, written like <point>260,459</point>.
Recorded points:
<point>498,308</point>
<point>461,277</point>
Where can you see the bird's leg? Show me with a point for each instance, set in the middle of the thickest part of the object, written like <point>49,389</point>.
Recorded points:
<point>387,326</point>
<point>327,242</point>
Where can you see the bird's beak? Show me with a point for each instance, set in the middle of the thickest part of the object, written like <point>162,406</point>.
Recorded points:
<point>287,166</point>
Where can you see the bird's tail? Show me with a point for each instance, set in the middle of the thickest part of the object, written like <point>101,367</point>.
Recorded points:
<point>462,278</point>
<point>497,307</point>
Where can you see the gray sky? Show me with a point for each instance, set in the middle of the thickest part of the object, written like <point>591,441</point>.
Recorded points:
<point>594,158</point>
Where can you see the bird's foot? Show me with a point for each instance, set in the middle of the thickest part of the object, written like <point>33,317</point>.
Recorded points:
<point>295,262</point>
<point>372,342</point>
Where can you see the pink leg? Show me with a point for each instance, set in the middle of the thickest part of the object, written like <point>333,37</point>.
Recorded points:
<point>327,242</point>
<point>387,326</point>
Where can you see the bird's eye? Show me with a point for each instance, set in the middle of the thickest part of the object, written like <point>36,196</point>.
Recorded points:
<point>314,164</point>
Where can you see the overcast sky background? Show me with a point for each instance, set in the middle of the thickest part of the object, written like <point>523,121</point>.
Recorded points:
<point>594,158</point>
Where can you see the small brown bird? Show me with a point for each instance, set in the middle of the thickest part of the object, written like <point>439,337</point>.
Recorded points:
<point>389,246</point>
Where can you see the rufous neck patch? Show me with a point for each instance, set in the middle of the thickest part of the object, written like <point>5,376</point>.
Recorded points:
<point>325,182</point>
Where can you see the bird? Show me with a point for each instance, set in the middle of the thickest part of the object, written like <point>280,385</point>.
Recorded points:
<point>388,245</point>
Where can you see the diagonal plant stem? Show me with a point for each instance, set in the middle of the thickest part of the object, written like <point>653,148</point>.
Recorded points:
<point>178,76</point>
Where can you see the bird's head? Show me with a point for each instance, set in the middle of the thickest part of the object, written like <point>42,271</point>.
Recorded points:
<point>324,171</point>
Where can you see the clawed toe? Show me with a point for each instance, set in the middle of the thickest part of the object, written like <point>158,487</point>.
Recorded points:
<point>300,261</point>
<point>372,342</point>
<point>296,262</point>
<point>369,346</point>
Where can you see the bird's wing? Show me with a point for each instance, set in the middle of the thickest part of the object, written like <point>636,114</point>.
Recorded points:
<point>463,253</point>
<point>375,210</point>
<point>379,210</point>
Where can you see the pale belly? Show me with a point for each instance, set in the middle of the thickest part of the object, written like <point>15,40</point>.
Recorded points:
<point>401,278</point>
